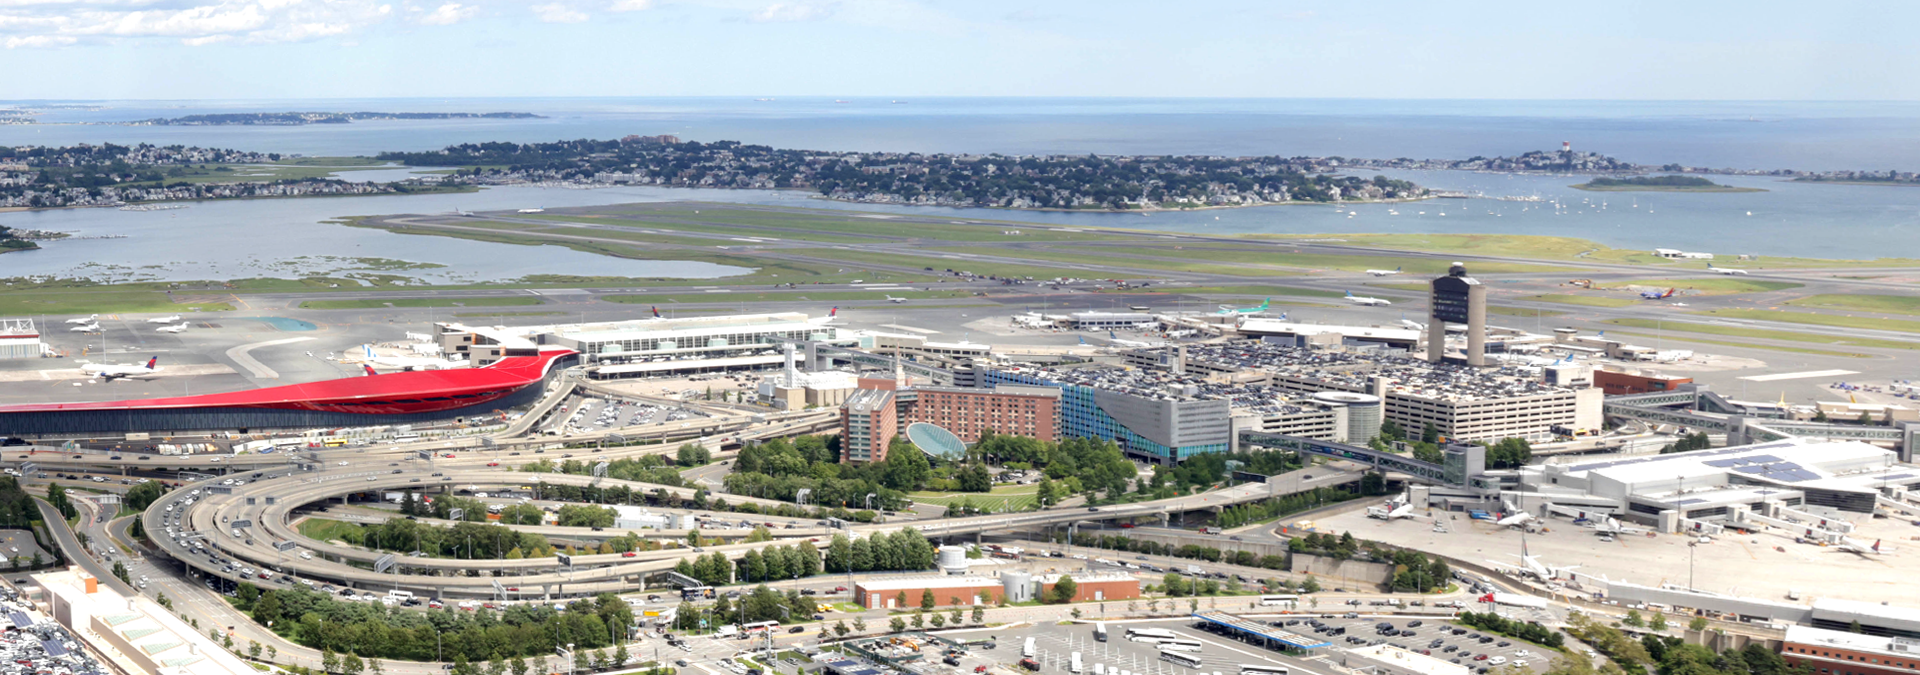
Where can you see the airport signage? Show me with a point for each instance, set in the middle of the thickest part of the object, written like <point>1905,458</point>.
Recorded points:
<point>456,513</point>
<point>285,546</point>
<point>242,523</point>
<point>564,559</point>
<point>383,563</point>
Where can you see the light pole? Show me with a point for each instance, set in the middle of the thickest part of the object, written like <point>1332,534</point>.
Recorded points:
<point>1690,547</point>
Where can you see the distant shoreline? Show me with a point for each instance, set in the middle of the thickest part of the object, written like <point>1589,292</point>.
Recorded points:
<point>1588,187</point>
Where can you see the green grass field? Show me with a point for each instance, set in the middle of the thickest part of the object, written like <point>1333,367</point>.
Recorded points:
<point>1550,248</point>
<point>839,226</point>
<point>790,296</point>
<point>1521,311</point>
<point>974,266</point>
<point>1868,302</point>
<point>1257,291</point>
<point>383,303</point>
<point>1000,499</point>
<point>1121,257</point>
<point>472,315</point>
<point>325,529</point>
<point>606,233</point>
<point>1765,334</point>
<point>1588,300</point>
<point>1717,286</point>
<point>247,173</point>
<point>117,299</point>
<point>331,161</point>
<point>1834,320</point>
<point>1347,263</point>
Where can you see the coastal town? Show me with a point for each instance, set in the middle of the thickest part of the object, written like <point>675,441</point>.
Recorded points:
<point>109,175</point>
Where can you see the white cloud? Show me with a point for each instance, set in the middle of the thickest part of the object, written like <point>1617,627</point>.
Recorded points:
<point>45,23</point>
<point>630,5</point>
<point>449,14</point>
<point>792,11</point>
<point>39,41</point>
<point>558,13</point>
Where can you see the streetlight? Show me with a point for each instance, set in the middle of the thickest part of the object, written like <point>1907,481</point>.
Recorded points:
<point>1691,545</point>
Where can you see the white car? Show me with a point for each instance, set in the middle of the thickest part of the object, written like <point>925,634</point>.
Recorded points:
<point>1497,660</point>
<point>1522,652</point>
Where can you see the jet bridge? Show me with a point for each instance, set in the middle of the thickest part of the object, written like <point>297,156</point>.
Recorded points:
<point>1818,529</point>
<point>1423,472</point>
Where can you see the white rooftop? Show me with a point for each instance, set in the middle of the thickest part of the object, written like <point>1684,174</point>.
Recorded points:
<point>1277,326</point>
<point>905,583</point>
<point>1408,660</point>
<point>1787,461</point>
<point>1809,635</point>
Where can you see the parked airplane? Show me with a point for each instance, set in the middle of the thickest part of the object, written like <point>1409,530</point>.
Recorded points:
<point>1609,525</point>
<point>895,300</point>
<point>1415,325</point>
<point>88,328</point>
<point>182,328</point>
<point>370,371</point>
<point>91,318</point>
<point>1392,510</point>
<point>1227,310</point>
<point>1369,302</point>
<point>1115,337</point>
<point>1656,295</point>
<point>111,371</point>
<point>832,316</point>
<point>1860,548</point>
<point>656,312</point>
<point>1530,565</point>
<point>1384,273</point>
<point>533,210</point>
<point>406,362</point>
<point>164,319</point>
<point>1725,270</point>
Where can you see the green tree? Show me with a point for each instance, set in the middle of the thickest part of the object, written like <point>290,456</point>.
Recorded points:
<point>898,624</point>
<point>979,615</point>
<point>352,665</point>
<point>926,599</point>
<point>1063,591</point>
<point>841,628</point>
<point>329,661</point>
<point>1699,623</point>
<point>253,649</point>
<point>1633,619</point>
<point>1658,622</point>
<point>518,666</point>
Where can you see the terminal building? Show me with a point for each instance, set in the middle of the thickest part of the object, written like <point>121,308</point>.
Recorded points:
<point>643,347</point>
<point>394,398</point>
<point>1787,484</point>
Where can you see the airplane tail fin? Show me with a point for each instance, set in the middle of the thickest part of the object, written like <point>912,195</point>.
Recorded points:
<point>1112,335</point>
<point>1396,270</point>
<point>1876,546</point>
<point>835,312</point>
<point>369,369</point>
<point>1083,339</point>
<point>656,312</point>
<point>1265,303</point>
<point>151,362</point>
<point>1283,316</point>
<point>1668,294</point>
<point>1349,294</point>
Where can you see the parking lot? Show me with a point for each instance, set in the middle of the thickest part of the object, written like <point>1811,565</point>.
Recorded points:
<point>1054,646</point>
<point>1440,639</point>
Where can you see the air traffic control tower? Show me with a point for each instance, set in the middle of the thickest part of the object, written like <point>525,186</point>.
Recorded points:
<point>1458,299</point>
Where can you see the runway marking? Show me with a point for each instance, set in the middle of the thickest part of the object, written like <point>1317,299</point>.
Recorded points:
<point>923,331</point>
<point>260,370</point>
<point>1798,376</point>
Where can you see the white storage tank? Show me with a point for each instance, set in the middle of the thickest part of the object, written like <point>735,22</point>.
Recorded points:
<point>953,559</point>
<point>1363,412</point>
<point>1018,585</point>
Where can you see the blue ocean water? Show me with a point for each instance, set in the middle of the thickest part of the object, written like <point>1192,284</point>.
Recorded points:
<point>1797,219</point>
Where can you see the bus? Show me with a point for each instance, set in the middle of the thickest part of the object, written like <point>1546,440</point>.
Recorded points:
<point>1180,658</point>
<point>1275,600</point>
<point>1099,631</point>
<point>696,593</point>
<point>1180,642</point>
<point>1177,647</point>
<point>1249,669</point>
<point>759,627</point>
<point>1073,664</point>
<point>1135,634</point>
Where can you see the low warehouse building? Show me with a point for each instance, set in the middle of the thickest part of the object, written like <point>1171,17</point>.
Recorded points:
<point>1012,586</point>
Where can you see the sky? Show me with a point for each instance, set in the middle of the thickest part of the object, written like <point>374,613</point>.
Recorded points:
<point>1396,49</point>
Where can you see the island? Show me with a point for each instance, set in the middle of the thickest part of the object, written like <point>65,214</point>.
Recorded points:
<point>1659,184</point>
<point>1049,182</point>
<point>302,118</point>
<point>1893,178</point>
<point>10,242</point>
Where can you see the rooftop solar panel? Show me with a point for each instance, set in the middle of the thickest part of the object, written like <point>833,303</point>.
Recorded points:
<point>20,619</point>
<point>54,648</point>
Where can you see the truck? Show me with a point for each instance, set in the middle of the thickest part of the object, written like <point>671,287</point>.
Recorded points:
<point>1210,530</point>
<point>1073,664</point>
<point>1100,631</point>
<point>1026,649</point>
<point>1479,515</point>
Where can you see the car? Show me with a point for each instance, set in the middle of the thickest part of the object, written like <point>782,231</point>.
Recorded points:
<point>628,554</point>
<point>803,629</point>
<point>1451,649</point>
<point>1414,623</point>
<point>682,663</point>
<point>493,463</point>
<point>1093,508</point>
<point>1504,643</point>
<point>1497,660</point>
<point>1480,657</point>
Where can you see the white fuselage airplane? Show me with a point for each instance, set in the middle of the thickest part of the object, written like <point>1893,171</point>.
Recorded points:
<point>164,319</point>
<point>1531,566</point>
<point>182,328</point>
<point>1724,270</point>
<point>1859,548</point>
<point>88,328</point>
<point>406,362</point>
<point>1515,520</point>
<point>1391,511</point>
<point>1384,273</point>
<point>1230,310</point>
<point>90,319</point>
<point>1117,340</point>
<point>1609,525</point>
<point>111,371</point>
<point>895,300</point>
<point>1369,302</point>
